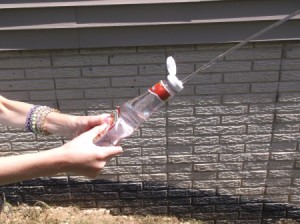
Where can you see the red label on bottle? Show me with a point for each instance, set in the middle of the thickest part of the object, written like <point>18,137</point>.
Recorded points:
<point>160,90</point>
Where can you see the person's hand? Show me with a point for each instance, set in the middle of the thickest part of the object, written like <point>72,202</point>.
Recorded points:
<point>71,126</point>
<point>85,123</point>
<point>83,157</point>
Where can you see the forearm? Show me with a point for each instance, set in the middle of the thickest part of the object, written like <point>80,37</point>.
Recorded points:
<point>13,113</point>
<point>27,166</point>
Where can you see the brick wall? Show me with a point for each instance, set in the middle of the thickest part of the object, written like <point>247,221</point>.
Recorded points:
<point>226,148</point>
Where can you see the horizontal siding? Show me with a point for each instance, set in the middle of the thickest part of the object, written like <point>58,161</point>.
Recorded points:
<point>134,23</point>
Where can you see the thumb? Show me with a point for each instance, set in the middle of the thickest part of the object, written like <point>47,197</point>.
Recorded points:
<point>111,151</point>
<point>97,130</point>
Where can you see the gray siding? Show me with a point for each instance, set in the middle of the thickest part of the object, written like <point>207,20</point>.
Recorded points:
<point>224,150</point>
<point>92,24</point>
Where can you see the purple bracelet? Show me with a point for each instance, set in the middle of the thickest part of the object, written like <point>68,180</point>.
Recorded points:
<point>28,118</point>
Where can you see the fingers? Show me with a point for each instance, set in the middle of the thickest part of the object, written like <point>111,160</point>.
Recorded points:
<point>96,130</point>
<point>110,151</point>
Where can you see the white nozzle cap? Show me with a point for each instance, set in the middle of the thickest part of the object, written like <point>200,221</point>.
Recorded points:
<point>172,78</point>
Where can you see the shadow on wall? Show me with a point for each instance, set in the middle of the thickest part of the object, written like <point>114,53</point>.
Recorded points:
<point>150,198</point>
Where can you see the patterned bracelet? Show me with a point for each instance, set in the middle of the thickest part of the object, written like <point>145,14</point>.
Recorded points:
<point>36,117</point>
<point>29,118</point>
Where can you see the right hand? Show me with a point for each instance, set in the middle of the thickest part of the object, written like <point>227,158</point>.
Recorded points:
<point>83,157</point>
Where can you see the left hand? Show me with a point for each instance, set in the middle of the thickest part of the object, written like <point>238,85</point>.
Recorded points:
<point>85,123</point>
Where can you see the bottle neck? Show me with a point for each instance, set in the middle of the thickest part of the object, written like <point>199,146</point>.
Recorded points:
<point>161,90</point>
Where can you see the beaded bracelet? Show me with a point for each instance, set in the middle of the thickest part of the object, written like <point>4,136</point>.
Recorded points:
<point>36,117</point>
<point>29,118</point>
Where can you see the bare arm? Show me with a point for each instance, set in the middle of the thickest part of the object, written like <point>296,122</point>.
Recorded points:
<point>14,113</point>
<point>79,156</point>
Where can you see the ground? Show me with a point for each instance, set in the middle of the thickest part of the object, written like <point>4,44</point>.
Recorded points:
<point>42,213</point>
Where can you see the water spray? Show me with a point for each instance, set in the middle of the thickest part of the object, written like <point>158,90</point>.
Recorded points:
<point>239,45</point>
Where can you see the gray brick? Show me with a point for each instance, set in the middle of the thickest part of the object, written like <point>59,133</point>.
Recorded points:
<point>292,52</point>
<point>264,87</point>
<point>139,58</point>
<point>207,100</point>
<point>109,71</point>
<point>110,92</point>
<point>266,65</point>
<point>249,98</point>
<point>259,128</point>
<point>122,170</point>
<point>289,97</point>
<point>233,148</point>
<point>245,138</point>
<point>42,73</point>
<point>154,169</point>
<point>79,60</point>
<point>191,140</point>
<point>217,166</point>
<point>248,119</point>
<point>25,62</point>
<point>180,176</point>
<point>180,131</point>
<point>179,167</point>
<point>242,191</point>
<point>42,95</point>
<point>142,160</point>
<point>189,121</point>
<point>179,150</point>
<point>12,74</point>
<point>229,66</point>
<point>280,165</point>
<point>5,147</point>
<point>262,108</point>
<point>207,78</point>
<point>84,104</point>
<point>80,83</point>
<point>251,77</point>
<point>222,88</point>
<point>283,182</point>
<point>196,56</point>
<point>143,177</point>
<point>285,156</point>
<point>256,165</point>
<point>33,145</point>
<point>194,158</point>
<point>255,53</point>
<point>285,137</point>
<point>216,183</point>
<point>155,151</point>
<point>283,190</point>
<point>204,175</point>
<point>213,110</point>
<point>293,75</point>
<point>134,81</point>
<point>289,86</point>
<point>16,95</point>
<point>280,147</point>
<point>244,157</point>
<point>145,142</point>
<point>286,128</point>
<point>177,112</point>
<point>26,85</point>
<point>216,130</point>
<point>69,94</point>
<point>153,69</point>
<point>291,64</point>
<point>287,117</point>
<point>153,132</point>
<point>283,173</point>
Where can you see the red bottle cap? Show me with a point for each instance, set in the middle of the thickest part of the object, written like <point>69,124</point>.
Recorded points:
<point>160,90</point>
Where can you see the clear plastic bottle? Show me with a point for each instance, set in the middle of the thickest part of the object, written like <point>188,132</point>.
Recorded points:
<point>133,113</point>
